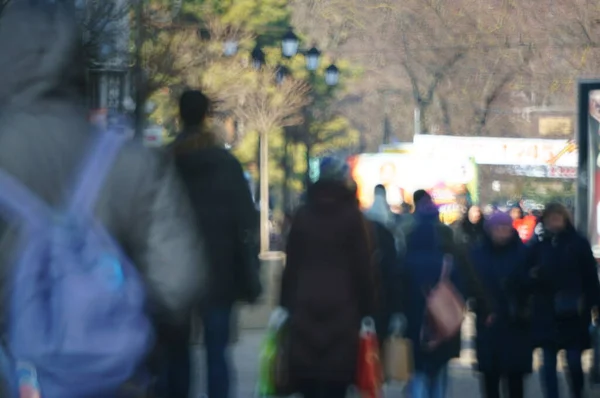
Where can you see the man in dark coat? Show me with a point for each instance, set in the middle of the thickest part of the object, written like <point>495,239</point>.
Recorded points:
<point>43,133</point>
<point>564,280</point>
<point>504,347</point>
<point>328,285</point>
<point>226,214</point>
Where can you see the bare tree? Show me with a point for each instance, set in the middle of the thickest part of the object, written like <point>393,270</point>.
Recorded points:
<point>268,107</point>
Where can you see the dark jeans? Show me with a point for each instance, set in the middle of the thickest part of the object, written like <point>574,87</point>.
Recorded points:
<point>550,378</point>
<point>323,390</point>
<point>216,323</point>
<point>492,384</point>
<point>174,380</point>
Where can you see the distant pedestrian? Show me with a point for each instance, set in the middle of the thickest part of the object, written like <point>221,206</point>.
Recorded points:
<point>470,229</point>
<point>565,285</point>
<point>381,213</point>
<point>523,223</point>
<point>504,345</point>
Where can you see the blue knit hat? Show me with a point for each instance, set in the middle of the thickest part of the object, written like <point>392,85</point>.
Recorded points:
<point>333,169</point>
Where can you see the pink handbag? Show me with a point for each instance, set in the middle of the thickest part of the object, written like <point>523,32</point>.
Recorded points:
<point>445,310</point>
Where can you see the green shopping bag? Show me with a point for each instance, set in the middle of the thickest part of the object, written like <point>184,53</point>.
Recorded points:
<point>271,357</point>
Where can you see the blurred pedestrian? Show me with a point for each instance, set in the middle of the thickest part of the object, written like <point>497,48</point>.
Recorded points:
<point>470,230</point>
<point>44,131</point>
<point>428,242</point>
<point>565,284</point>
<point>225,212</point>
<point>524,223</point>
<point>328,284</point>
<point>426,248</point>
<point>504,346</point>
<point>381,213</point>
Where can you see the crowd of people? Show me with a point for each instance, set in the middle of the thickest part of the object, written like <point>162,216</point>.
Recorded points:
<point>529,289</point>
<point>186,220</point>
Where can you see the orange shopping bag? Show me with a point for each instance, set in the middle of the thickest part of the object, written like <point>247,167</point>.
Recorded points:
<point>369,375</point>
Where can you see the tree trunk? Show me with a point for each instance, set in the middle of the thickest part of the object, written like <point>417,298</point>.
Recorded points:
<point>286,172</point>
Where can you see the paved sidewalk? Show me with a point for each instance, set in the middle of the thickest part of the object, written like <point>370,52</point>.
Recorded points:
<point>464,382</point>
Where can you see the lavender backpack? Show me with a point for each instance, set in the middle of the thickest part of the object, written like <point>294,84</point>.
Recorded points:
<point>77,325</point>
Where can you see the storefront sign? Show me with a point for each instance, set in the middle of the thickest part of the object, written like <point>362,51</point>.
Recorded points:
<point>499,151</point>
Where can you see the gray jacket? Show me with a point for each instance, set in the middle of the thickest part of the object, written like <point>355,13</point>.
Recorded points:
<point>43,134</point>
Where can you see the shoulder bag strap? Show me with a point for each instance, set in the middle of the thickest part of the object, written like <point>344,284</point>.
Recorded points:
<point>98,162</point>
<point>18,203</point>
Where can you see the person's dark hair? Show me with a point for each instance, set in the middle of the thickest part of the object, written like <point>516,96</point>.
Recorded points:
<point>420,194</point>
<point>380,189</point>
<point>194,107</point>
<point>557,208</point>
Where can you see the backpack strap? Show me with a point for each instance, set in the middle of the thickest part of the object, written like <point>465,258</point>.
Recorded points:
<point>95,168</point>
<point>18,202</point>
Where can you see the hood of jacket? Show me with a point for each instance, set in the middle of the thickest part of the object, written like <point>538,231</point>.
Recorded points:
<point>326,195</point>
<point>42,56</point>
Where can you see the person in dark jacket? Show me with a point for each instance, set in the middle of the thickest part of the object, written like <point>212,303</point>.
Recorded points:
<point>504,346</point>
<point>44,132</point>
<point>564,279</point>
<point>423,264</point>
<point>328,284</point>
<point>469,230</point>
<point>393,283</point>
<point>226,214</point>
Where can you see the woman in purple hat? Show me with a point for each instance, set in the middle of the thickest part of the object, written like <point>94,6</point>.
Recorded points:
<point>504,347</point>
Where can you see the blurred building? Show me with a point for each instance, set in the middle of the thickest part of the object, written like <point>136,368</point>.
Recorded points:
<point>106,36</point>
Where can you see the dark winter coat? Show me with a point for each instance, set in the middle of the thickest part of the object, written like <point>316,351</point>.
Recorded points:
<point>468,234</point>
<point>425,249</point>
<point>226,214</point>
<point>505,346</point>
<point>392,291</point>
<point>328,284</point>
<point>564,280</point>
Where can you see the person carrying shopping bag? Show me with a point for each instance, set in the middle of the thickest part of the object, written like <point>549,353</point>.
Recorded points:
<point>497,260</point>
<point>429,265</point>
<point>328,285</point>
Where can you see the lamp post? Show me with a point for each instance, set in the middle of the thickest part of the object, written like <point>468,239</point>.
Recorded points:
<point>290,45</point>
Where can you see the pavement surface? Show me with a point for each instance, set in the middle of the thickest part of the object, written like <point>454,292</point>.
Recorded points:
<point>464,382</point>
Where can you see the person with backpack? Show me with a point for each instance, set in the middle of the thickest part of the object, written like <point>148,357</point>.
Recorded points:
<point>96,238</point>
<point>504,346</point>
<point>564,282</point>
<point>226,215</point>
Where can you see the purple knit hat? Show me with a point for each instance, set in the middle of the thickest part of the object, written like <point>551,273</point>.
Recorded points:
<point>497,219</point>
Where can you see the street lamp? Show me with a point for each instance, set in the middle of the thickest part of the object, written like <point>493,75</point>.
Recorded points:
<point>258,58</point>
<point>312,56</point>
<point>281,73</point>
<point>332,75</point>
<point>230,47</point>
<point>290,44</point>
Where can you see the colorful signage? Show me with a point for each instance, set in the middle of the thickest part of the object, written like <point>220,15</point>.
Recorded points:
<point>448,179</point>
<point>499,151</point>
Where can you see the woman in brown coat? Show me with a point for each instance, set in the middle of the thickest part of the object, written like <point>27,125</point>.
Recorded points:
<point>328,285</point>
